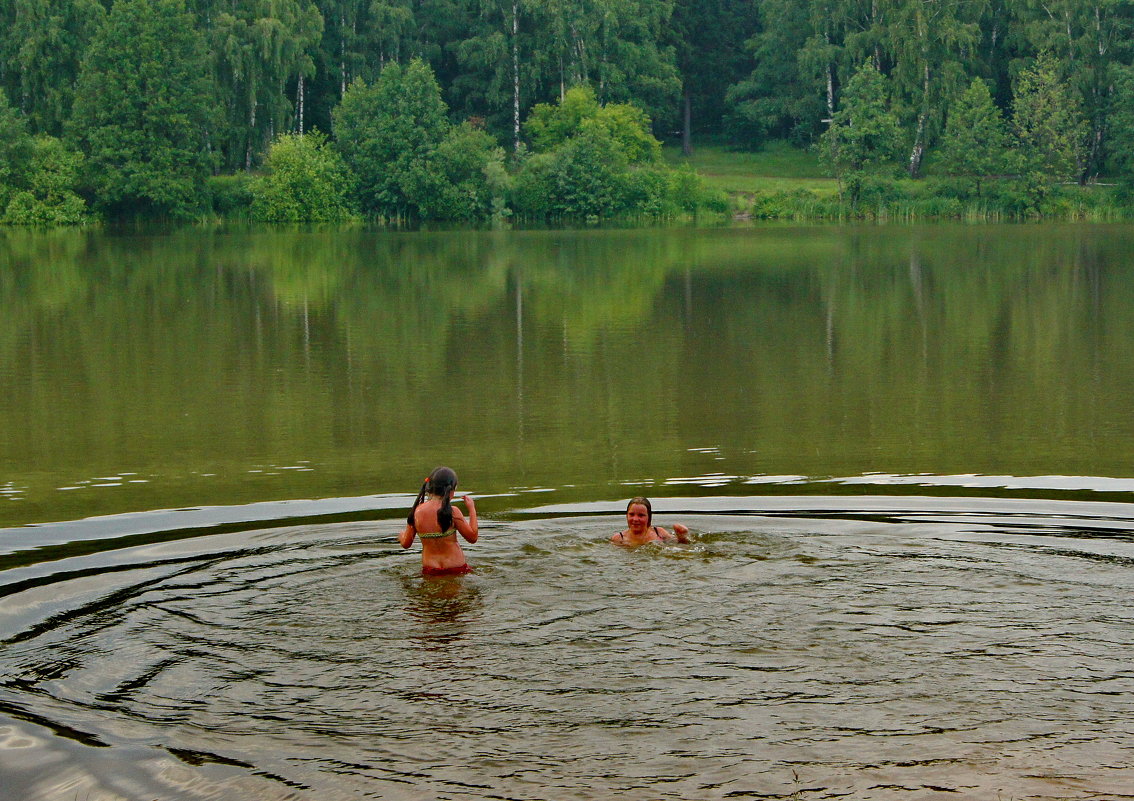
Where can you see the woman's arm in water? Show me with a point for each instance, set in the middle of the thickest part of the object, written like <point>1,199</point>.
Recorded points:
<point>680,533</point>
<point>467,527</point>
<point>407,535</point>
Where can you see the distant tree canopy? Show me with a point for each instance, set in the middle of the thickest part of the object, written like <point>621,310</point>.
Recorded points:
<point>409,160</point>
<point>143,111</point>
<point>156,96</point>
<point>628,128</point>
<point>591,160</point>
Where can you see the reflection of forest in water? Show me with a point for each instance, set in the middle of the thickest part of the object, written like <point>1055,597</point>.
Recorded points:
<point>205,361</point>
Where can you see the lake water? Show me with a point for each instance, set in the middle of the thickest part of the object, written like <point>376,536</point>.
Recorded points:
<point>904,454</point>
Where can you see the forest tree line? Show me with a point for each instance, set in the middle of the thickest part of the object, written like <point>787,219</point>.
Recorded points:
<point>134,107</point>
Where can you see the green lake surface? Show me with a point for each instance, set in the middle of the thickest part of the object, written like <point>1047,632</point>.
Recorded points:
<point>217,368</point>
<point>904,454</point>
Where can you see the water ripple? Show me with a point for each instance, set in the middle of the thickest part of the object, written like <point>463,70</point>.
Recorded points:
<point>896,649</point>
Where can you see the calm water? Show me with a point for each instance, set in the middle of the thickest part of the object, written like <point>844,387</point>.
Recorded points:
<point>904,454</point>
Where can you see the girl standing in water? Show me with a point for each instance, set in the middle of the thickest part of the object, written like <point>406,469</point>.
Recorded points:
<point>437,522</point>
<point>640,527</point>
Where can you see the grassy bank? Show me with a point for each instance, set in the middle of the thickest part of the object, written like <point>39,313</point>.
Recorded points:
<point>779,167</point>
<point>784,182</point>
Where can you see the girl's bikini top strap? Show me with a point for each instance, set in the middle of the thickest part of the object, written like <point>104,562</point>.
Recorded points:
<point>432,535</point>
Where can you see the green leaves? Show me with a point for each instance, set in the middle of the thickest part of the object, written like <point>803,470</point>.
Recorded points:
<point>305,181</point>
<point>43,44</point>
<point>48,196</point>
<point>386,133</point>
<point>409,161</point>
<point>594,161</point>
<point>628,127</point>
<point>258,49</point>
<point>37,175</point>
<point>143,110</point>
<point>864,134</point>
<point>1048,124</point>
<point>975,144</point>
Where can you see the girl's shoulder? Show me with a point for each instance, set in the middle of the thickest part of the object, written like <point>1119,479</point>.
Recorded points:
<point>426,510</point>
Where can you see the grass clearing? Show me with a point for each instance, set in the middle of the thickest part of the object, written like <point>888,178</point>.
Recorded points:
<point>778,167</point>
<point>783,182</point>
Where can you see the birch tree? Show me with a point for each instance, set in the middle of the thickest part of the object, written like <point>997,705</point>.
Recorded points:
<point>932,45</point>
<point>261,49</point>
<point>1087,40</point>
<point>615,46</point>
<point>497,79</point>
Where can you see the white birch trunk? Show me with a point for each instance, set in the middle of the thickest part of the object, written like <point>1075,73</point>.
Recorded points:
<point>919,138</point>
<point>251,137</point>
<point>515,77</point>
<point>299,100</point>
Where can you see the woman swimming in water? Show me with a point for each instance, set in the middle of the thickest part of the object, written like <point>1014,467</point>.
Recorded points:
<point>437,522</point>
<point>640,528</point>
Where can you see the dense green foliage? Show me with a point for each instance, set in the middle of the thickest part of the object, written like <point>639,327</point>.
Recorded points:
<point>304,180</point>
<point>409,160</point>
<point>596,161</point>
<point>864,133</point>
<point>158,98</point>
<point>975,144</point>
<point>143,110</point>
<point>37,175</point>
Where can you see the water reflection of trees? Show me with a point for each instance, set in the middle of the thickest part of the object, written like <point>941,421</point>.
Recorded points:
<point>554,355</point>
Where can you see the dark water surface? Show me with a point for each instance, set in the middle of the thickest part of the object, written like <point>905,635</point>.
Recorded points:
<point>904,454</point>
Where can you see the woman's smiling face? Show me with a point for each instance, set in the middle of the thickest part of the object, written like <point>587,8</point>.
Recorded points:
<point>637,518</point>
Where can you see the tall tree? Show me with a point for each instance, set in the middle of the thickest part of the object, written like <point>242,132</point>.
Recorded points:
<point>500,71</point>
<point>387,133</point>
<point>1086,39</point>
<point>1048,122</point>
<point>345,43</point>
<point>143,109</point>
<point>392,23</point>
<point>1120,148</point>
<point>613,45</point>
<point>15,148</point>
<point>41,47</point>
<point>975,143</point>
<point>864,133</point>
<point>793,65</point>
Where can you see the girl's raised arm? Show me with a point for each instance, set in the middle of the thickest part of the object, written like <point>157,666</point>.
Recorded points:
<point>407,535</point>
<point>467,527</point>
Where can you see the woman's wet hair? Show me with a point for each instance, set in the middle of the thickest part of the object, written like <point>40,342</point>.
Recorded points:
<point>644,502</point>
<point>441,482</point>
